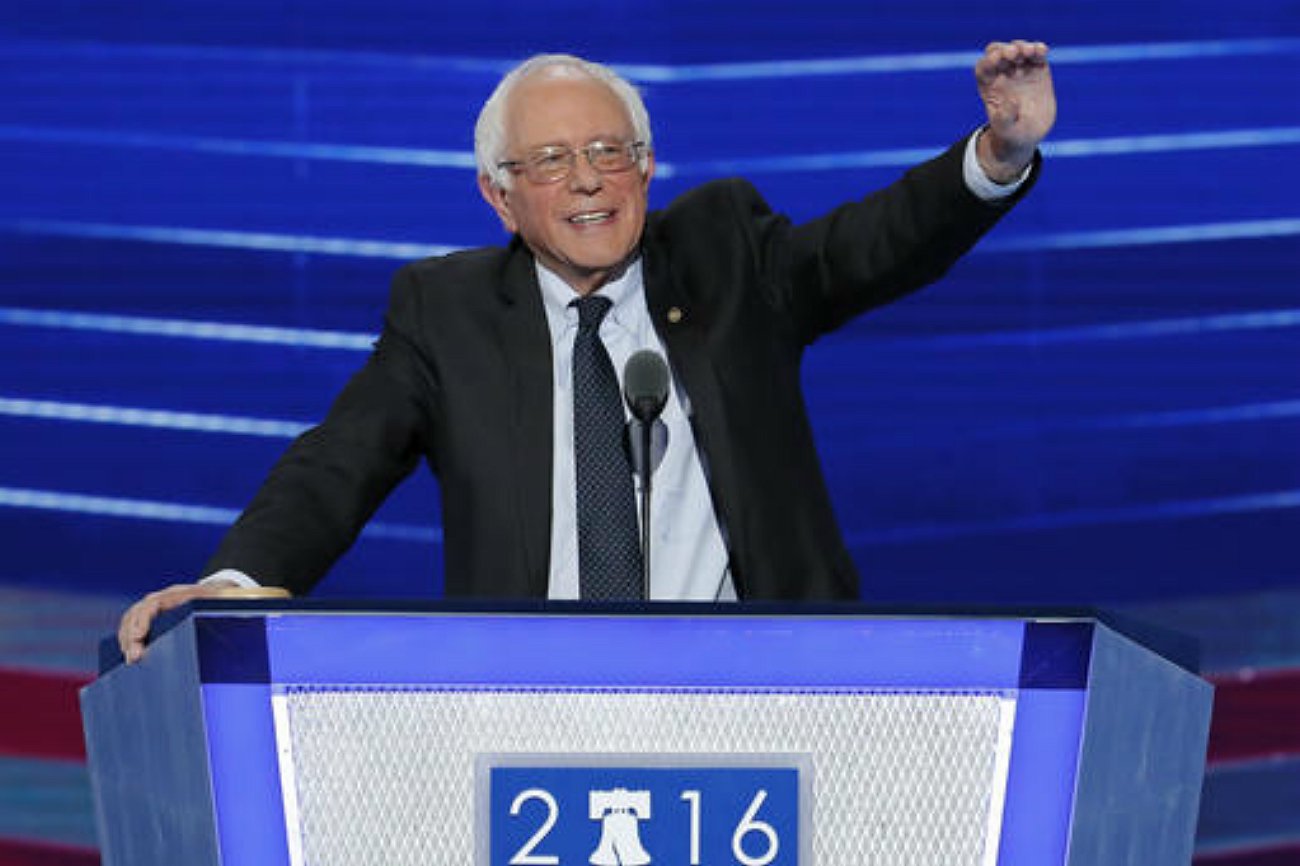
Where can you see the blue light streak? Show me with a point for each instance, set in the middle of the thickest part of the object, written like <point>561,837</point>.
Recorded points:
<point>186,329</point>
<point>890,64</point>
<point>1247,413</point>
<point>1151,236</point>
<point>110,506</point>
<point>423,157</point>
<point>1222,139</point>
<point>1255,320</point>
<point>491,68</point>
<point>125,416</point>
<point>179,512</point>
<point>264,241</point>
<point>1155,512</point>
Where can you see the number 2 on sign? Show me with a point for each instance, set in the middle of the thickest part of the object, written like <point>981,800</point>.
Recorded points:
<point>525,855</point>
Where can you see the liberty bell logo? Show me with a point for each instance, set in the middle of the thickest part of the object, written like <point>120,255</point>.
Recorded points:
<point>619,812</point>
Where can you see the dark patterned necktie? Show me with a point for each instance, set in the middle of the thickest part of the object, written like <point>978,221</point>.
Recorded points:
<point>609,549</point>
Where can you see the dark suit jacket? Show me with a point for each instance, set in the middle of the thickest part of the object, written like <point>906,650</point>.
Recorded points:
<point>461,376</point>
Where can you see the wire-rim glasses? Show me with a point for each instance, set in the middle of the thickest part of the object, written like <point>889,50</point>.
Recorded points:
<point>554,163</point>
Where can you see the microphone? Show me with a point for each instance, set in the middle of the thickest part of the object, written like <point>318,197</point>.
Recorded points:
<point>645,388</point>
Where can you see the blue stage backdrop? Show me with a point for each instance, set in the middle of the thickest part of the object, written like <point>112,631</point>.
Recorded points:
<point>201,205</point>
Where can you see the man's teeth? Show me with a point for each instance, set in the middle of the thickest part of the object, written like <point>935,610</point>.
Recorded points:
<point>587,218</point>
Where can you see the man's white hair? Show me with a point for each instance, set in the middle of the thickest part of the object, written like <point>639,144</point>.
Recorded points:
<point>490,130</point>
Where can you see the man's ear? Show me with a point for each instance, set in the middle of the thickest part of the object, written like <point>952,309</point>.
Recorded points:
<point>649,172</point>
<point>499,199</point>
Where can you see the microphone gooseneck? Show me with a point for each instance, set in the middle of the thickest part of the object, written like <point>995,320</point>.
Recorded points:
<point>645,388</point>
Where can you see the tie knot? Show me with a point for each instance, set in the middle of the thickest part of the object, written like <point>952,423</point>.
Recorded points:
<point>591,311</point>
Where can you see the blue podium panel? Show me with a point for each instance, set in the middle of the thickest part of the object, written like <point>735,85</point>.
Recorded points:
<point>689,736</point>
<point>147,745</point>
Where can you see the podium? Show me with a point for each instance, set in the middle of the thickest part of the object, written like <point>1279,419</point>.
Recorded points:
<point>308,733</point>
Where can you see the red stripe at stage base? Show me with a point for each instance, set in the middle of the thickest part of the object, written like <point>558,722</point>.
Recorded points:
<point>45,719</point>
<point>1256,715</point>
<point>14,852</point>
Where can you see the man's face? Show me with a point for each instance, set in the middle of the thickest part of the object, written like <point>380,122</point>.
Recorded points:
<point>586,226</point>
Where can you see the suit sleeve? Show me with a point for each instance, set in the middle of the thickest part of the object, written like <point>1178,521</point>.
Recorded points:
<point>870,252</point>
<point>320,494</point>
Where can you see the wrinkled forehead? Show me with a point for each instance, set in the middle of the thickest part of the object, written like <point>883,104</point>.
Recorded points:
<point>566,107</point>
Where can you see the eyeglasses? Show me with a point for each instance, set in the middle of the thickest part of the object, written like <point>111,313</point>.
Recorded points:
<point>554,163</point>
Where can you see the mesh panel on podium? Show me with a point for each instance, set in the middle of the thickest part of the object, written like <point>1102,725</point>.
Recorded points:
<point>387,776</point>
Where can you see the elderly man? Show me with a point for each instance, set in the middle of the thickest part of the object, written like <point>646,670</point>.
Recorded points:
<point>492,362</point>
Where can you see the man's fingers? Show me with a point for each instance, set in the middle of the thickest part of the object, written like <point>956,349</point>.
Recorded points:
<point>1018,49</point>
<point>135,624</point>
<point>1008,58</point>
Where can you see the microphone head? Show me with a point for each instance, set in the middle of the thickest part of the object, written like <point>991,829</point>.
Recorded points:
<point>645,385</point>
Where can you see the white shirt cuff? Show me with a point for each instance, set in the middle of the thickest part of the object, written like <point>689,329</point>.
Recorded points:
<point>980,183</point>
<point>233,576</point>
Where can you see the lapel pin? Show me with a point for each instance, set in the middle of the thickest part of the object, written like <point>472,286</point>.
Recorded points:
<point>675,314</point>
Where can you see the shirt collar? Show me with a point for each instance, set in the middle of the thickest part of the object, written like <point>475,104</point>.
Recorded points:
<point>557,295</point>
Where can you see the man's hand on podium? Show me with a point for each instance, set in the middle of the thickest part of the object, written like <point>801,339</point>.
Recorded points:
<point>139,617</point>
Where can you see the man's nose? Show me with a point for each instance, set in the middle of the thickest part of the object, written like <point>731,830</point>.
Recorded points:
<point>584,177</point>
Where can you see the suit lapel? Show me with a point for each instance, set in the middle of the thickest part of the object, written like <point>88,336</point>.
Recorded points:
<point>525,342</point>
<point>682,322</point>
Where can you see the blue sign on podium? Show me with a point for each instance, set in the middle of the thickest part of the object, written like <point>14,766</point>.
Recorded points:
<point>638,815</point>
